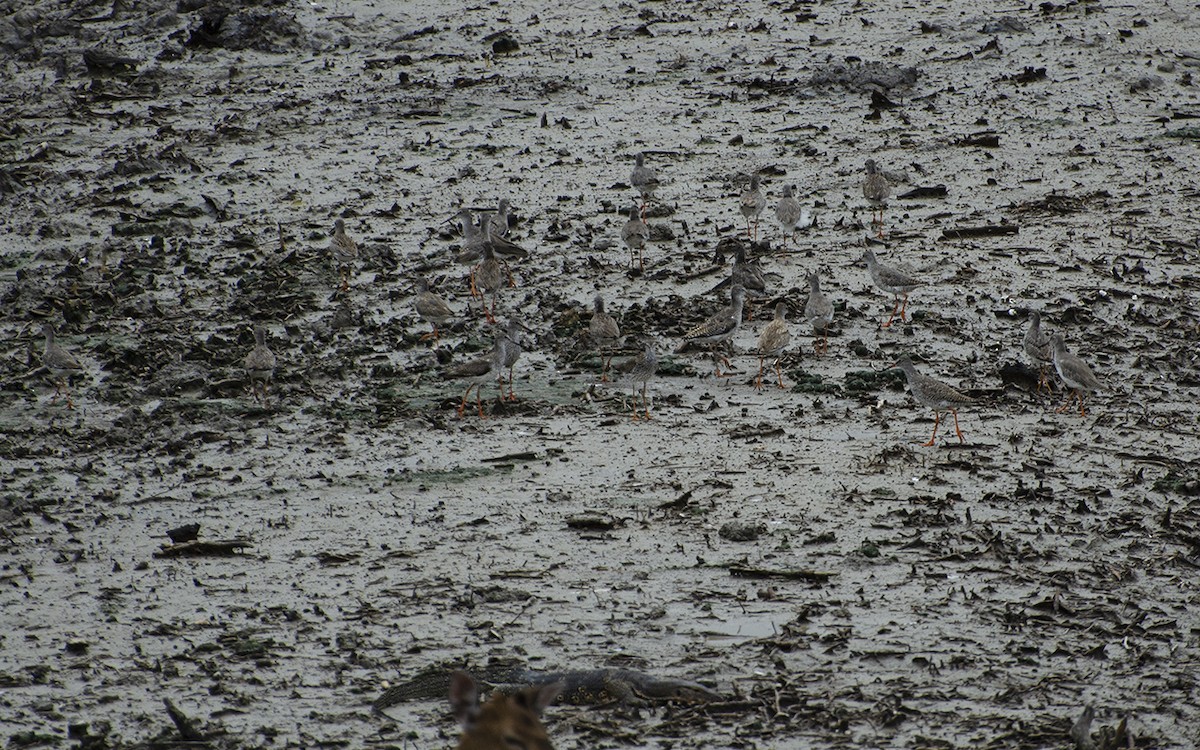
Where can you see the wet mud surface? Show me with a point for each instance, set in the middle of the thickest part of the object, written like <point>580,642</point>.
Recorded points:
<point>169,177</point>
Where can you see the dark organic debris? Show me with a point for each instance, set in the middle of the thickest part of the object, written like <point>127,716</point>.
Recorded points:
<point>863,75</point>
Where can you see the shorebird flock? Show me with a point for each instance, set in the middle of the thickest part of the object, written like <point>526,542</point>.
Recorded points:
<point>488,252</point>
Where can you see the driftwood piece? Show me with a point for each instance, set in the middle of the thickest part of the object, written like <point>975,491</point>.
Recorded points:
<point>221,547</point>
<point>747,571</point>
<point>991,230</point>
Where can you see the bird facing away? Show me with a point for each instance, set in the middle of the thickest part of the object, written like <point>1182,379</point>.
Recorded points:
<point>641,369</point>
<point>344,250</point>
<point>260,366</point>
<point>752,204</point>
<point>604,333</point>
<point>498,222</point>
<point>1075,374</point>
<point>432,309</point>
<point>876,190</point>
<point>61,364</point>
<point>748,274</point>
<point>472,251</point>
<point>892,281</point>
<point>819,313</point>
<point>774,338</point>
<point>934,394</point>
<point>635,234</point>
<point>644,180</point>
<point>719,328</point>
<point>1037,346</point>
<point>489,277</point>
<point>507,720</point>
<point>790,213</point>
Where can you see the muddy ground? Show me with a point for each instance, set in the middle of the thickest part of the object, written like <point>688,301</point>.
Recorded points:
<point>169,175</point>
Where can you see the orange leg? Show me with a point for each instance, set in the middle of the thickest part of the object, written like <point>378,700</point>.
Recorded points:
<point>1066,404</point>
<point>779,372</point>
<point>937,418</point>
<point>1082,413</point>
<point>512,283</point>
<point>463,406</point>
<point>892,317</point>
<point>903,306</point>
<point>511,396</point>
<point>758,379</point>
<point>956,430</point>
<point>645,402</point>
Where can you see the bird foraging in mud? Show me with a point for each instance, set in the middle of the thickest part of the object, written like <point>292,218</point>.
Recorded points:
<point>934,394</point>
<point>1075,373</point>
<point>481,370</point>
<point>260,366</point>
<point>61,365</point>
<point>344,250</point>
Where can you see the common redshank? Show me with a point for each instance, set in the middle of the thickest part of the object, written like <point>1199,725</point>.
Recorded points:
<point>260,366</point>
<point>344,250</point>
<point>934,394</point>
<point>819,313</point>
<point>635,234</point>
<point>876,189</point>
<point>892,281</point>
<point>752,204</point>
<point>774,338</point>
<point>489,277</point>
<point>644,180</point>
<point>432,308</point>
<point>512,352</point>
<point>1037,346</point>
<point>1075,374</point>
<point>719,328</point>
<point>789,213</point>
<point>641,369</point>
<point>604,333</point>
<point>61,365</point>
<point>479,371</point>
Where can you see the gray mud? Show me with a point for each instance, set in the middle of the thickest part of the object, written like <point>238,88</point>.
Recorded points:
<point>978,595</point>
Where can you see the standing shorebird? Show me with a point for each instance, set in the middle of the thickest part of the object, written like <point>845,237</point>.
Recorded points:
<point>819,314</point>
<point>432,309</point>
<point>719,328</point>
<point>1075,374</point>
<point>644,181</point>
<point>479,371</point>
<point>344,250</point>
<point>61,364</point>
<point>489,277</point>
<point>512,352</point>
<point>748,274</point>
<point>934,394</point>
<point>752,204</point>
<point>635,234</point>
<point>876,189</point>
<point>498,222</point>
<point>604,333</point>
<point>892,281</point>
<point>260,366</point>
<point>771,342</point>
<point>1037,346</point>
<point>790,213</point>
<point>641,369</point>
